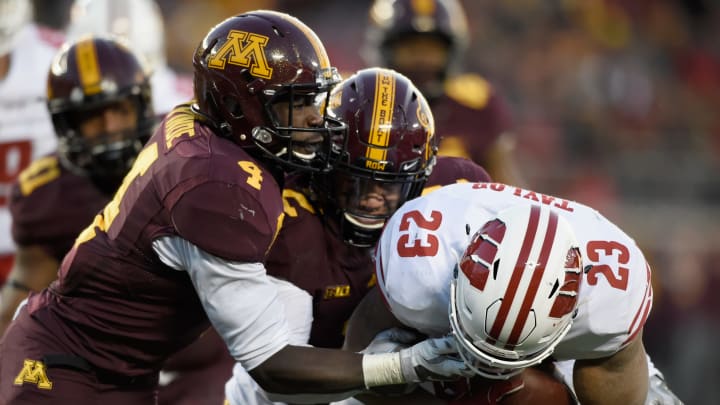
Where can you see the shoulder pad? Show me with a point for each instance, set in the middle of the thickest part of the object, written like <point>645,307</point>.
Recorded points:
<point>469,90</point>
<point>39,173</point>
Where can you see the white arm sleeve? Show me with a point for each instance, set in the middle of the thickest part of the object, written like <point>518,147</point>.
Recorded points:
<point>240,300</point>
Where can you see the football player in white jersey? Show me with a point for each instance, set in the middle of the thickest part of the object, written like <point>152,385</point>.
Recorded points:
<point>141,24</point>
<point>26,131</point>
<point>517,277</point>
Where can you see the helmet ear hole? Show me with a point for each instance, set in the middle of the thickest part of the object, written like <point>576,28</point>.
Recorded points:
<point>231,105</point>
<point>555,288</point>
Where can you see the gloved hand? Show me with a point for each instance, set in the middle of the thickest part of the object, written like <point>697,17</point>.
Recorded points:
<point>660,394</point>
<point>391,340</point>
<point>434,360</point>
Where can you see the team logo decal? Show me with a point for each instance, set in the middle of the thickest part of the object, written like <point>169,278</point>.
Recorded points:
<point>33,372</point>
<point>244,49</point>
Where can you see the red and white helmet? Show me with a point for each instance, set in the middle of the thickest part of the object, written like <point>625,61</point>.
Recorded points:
<point>514,292</point>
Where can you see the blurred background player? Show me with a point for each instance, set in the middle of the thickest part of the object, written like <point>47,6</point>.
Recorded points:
<point>25,129</point>
<point>426,40</point>
<point>52,14</point>
<point>333,220</point>
<point>100,130</point>
<point>140,22</point>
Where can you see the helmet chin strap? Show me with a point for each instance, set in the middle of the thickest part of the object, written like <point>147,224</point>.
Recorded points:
<point>352,219</point>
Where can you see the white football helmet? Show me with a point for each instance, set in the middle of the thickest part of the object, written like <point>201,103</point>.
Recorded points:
<point>138,21</point>
<point>14,15</point>
<point>514,291</point>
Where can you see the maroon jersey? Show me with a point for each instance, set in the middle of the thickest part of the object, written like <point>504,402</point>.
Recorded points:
<point>51,205</point>
<point>469,117</point>
<point>115,303</point>
<point>310,253</point>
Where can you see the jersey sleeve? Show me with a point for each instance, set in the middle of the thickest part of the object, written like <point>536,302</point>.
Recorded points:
<point>51,206</point>
<point>227,220</point>
<point>615,298</point>
<point>254,327</point>
<point>415,258</point>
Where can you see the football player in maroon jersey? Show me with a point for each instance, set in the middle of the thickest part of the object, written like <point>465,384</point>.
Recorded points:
<point>59,194</point>
<point>100,132</point>
<point>182,244</point>
<point>426,41</point>
<point>388,158</point>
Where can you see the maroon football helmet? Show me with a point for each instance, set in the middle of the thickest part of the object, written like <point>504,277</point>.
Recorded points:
<point>387,155</point>
<point>392,21</point>
<point>86,76</point>
<point>251,61</point>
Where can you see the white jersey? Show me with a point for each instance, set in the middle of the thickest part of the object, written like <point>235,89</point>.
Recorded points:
<point>425,238</point>
<point>169,89</point>
<point>26,131</point>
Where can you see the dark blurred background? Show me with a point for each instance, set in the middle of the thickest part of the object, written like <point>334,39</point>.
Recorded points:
<point>616,104</point>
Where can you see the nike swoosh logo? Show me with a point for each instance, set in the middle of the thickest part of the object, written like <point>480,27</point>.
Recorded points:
<point>407,166</point>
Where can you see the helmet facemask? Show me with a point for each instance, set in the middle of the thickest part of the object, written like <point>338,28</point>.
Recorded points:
<point>361,201</point>
<point>79,102</point>
<point>107,156</point>
<point>384,159</point>
<point>257,77</point>
<point>294,146</point>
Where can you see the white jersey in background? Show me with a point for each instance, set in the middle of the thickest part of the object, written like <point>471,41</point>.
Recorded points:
<point>139,23</point>
<point>426,237</point>
<point>169,89</point>
<point>26,131</point>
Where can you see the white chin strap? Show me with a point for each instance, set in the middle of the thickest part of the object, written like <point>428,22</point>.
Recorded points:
<point>353,220</point>
<point>303,156</point>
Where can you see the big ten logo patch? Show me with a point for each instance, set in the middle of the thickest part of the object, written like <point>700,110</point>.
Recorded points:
<point>33,372</point>
<point>336,291</point>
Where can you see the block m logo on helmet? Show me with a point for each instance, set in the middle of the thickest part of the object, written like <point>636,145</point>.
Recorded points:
<point>243,49</point>
<point>33,372</point>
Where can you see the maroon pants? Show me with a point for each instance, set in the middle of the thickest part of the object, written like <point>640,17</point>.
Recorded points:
<point>33,371</point>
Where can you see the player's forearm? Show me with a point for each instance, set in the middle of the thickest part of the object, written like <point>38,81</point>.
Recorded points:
<point>310,370</point>
<point>619,379</point>
<point>369,318</point>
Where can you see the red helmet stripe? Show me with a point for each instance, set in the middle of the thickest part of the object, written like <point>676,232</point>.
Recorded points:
<point>531,231</point>
<point>535,281</point>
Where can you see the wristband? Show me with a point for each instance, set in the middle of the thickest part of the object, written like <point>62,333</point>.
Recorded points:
<point>382,369</point>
